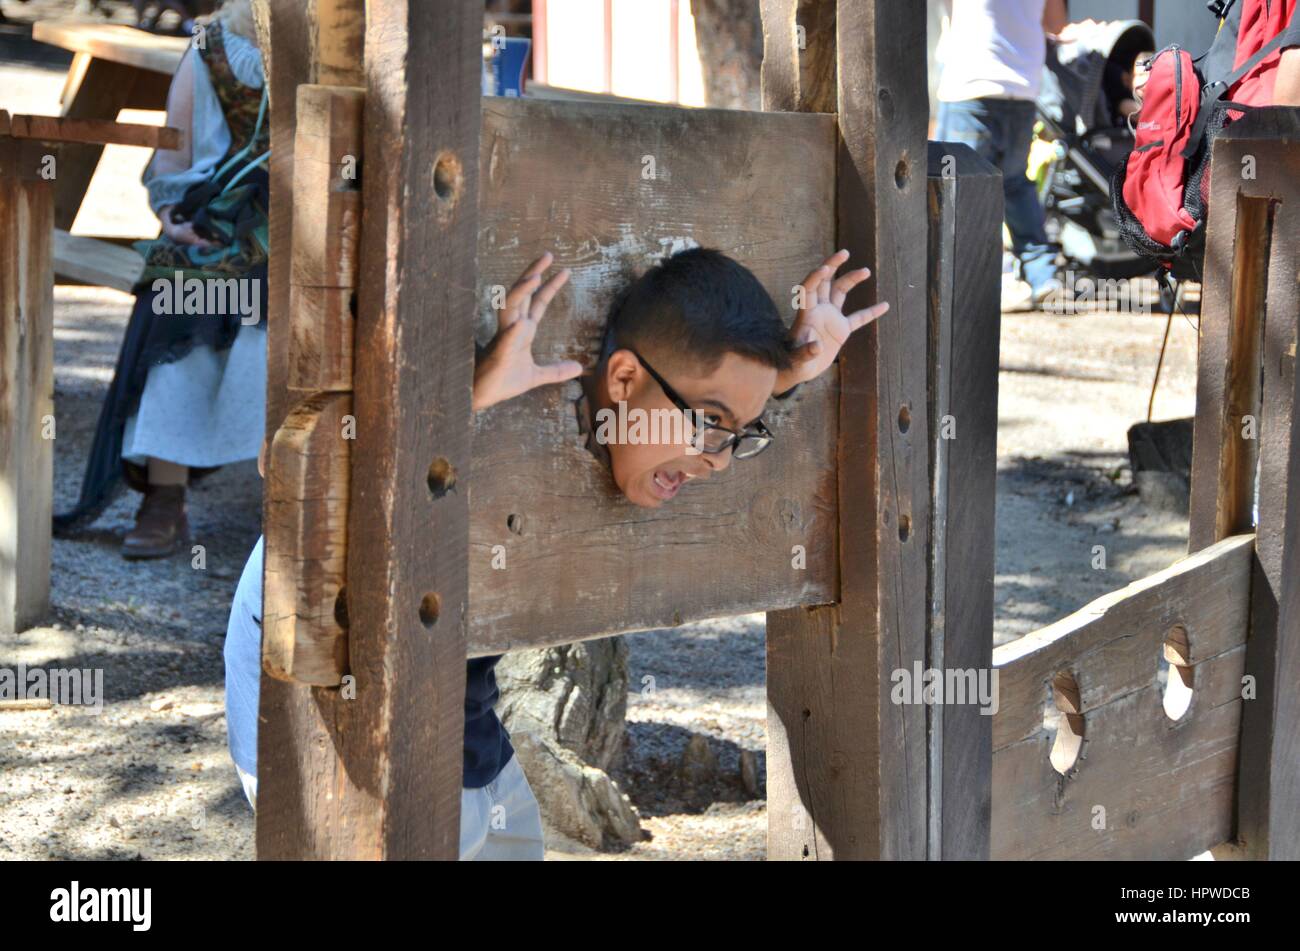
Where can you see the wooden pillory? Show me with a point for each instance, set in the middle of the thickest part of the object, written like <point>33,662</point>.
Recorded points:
<point>379,577</point>
<point>380,548</point>
<point>401,197</point>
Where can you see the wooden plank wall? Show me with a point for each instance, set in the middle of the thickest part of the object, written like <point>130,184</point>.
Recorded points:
<point>965,205</point>
<point>610,189</point>
<point>26,385</point>
<point>1144,786</point>
<point>1249,313</point>
<point>847,767</point>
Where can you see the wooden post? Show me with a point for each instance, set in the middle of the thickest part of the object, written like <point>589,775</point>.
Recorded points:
<point>26,385</point>
<point>375,772</point>
<point>309,470</point>
<point>965,195</point>
<point>1245,421</point>
<point>846,765</point>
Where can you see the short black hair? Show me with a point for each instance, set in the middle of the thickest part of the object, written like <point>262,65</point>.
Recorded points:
<point>700,305</point>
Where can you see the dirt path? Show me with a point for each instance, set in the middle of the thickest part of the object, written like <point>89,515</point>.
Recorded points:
<point>149,777</point>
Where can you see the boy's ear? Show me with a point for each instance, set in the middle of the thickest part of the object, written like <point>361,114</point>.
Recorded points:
<point>621,371</point>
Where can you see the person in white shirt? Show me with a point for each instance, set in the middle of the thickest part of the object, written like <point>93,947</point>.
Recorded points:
<point>992,57</point>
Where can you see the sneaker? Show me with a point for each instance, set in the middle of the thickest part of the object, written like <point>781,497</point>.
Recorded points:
<point>1019,297</point>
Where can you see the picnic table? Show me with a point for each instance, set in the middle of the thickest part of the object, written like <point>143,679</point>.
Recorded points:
<point>114,67</point>
<point>29,248</point>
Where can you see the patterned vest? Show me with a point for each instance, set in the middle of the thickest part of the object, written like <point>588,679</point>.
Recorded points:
<point>239,103</point>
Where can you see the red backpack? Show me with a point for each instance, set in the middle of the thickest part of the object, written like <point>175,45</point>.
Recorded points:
<point>1161,194</point>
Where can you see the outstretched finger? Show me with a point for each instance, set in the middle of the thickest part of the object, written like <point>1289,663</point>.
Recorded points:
<point>542,298</point>
<point>860,318</point>
<point>810,285</point>
<point>831,265</point>
<point>519,299</point>
<point>538,267</point>
<point>846,282</point>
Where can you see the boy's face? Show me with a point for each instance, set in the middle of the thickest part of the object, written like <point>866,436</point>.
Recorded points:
<point>651,471</point>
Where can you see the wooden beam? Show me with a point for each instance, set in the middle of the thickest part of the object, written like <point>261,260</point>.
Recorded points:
<point>90,131</point>
<point>571,177</point>
<point>380,776</point>
<point>1225,430</point>
<point>1268,797</point>
<point>1268,812</point>
<point>26,389</point>
<point>92,261</point>
<point>326,239</point>
<point>846,766</point>
<point>798,73</point>
<point>304,616</point>
<point>115,43</point>
<point>304,604</point>
<point>1144,786</point>
<point>1242,447</point>
<point>965,197</point>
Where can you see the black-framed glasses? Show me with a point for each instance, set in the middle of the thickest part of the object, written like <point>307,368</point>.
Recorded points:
<point>709,437</point>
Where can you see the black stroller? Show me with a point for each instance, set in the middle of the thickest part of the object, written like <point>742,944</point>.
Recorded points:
<point>1083,85</point>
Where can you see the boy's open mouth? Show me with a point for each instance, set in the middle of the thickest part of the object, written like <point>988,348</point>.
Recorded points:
<point>666,484</point>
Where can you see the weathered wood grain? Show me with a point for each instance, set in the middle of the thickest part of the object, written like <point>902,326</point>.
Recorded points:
<point>92,131</point>
<point>92,261</point>
<point>26,393</point>
<point>798,73</point>
<point>115,43</point>
<point>379,776</point>
<point>846,766</point>
<point>1268,796</point>
<point>569,177</point>
<point>965,199</point>
<point>303,634</point>
<point>304,616</point>
<point>1163,788</point>
<point>326,239</point>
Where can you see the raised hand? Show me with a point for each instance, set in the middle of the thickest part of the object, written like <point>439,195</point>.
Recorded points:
<point>821,327</point>
<point>508,369</point>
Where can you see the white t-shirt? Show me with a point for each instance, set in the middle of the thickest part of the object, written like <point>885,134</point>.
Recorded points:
<point>992,48</point>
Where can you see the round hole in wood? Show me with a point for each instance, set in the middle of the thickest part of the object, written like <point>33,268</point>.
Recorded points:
<point>442,477</point>
<point>1064,717</point>
<point>515,523</point>
<point>904,419</point>
<point>430,608</point>
<point>886,103</point>
<point>446,176</point>
<point>341,608</point>
<point>902,172</point>
<point>1178,685</point>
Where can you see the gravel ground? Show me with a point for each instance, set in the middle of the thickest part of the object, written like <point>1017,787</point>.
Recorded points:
<point>149,776</point>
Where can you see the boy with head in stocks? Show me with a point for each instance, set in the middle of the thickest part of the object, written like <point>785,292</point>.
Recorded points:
<point>696,335</point>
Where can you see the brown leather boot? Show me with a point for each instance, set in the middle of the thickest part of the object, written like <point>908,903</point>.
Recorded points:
<point>160,524</point>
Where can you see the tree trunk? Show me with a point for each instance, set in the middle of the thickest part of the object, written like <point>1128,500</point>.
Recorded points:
<point>729,35</point>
